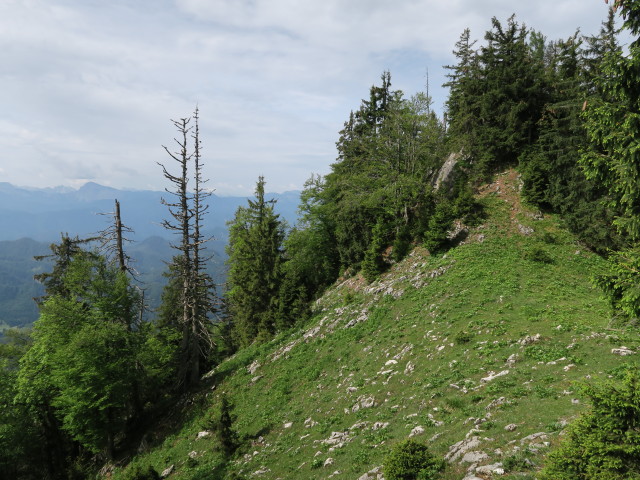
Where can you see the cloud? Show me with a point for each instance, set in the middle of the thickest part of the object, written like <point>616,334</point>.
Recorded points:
<point>95,83</point>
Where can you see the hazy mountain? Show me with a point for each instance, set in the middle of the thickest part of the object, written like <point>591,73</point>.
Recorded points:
<point>34,218</point>
<point>42,214</point>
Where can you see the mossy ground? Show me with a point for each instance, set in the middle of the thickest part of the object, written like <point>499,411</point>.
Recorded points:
<point>430,344</point>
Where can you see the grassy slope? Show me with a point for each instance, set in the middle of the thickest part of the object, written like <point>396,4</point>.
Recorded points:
<point>427,333</point>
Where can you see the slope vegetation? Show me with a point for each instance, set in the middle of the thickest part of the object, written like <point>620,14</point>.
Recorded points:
<point>478,353</point>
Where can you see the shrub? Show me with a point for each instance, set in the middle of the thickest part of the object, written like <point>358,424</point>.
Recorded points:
<point>140,473</point>
<point>605,441</point>
<point>539,255</point>
<point>411,460</point>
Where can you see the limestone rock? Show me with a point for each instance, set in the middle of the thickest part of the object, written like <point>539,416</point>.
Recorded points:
<point>203,434</point>
<point>446,172</point>
<point>474,457</point>
<point>373,474</point>
<point>419,430</point>
<point>458,449</point>
<point>327,462</point>
<point>255,365</point>
<point>622,351</point>
<point>167,471</point>
<point>493,376</point>
<point>491,470</point>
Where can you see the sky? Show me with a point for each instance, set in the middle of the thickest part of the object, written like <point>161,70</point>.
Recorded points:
<point>88,88</point>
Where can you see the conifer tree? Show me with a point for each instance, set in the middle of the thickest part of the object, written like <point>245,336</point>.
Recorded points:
<point>195,288</point>
<point>612,124</point>
<point>256,236</point>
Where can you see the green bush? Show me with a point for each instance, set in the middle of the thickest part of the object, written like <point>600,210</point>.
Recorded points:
<point>604,443</point>
<point>143,473</point>
<point>410,460</point>
<point>538,254</point>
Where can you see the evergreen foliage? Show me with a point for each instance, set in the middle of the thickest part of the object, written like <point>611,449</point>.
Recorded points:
<point>613,159</point>
<point>411,460</point>
<point>605,441</point>
<point>256,236</point>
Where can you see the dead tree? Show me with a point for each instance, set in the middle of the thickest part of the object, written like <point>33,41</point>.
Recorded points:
<point>186,211</point>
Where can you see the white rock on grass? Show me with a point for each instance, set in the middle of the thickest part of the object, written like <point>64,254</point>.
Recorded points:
<point>167,471</point>
<point>491,470</point>
<point>255,365</point>
<point>458,449</point>
<point>373,474</point>
<point>474,457</point>
<point>493,376</point>
<point>622,351</point>
<point>419,430</point>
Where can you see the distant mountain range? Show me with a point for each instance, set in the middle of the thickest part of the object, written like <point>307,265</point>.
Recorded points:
<point>42,214</point>
<point>32,219</point>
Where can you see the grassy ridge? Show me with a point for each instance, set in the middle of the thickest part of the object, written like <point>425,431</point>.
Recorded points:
<point>494,334</point>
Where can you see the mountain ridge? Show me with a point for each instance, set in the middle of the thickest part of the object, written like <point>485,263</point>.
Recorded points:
<point>476,352</point>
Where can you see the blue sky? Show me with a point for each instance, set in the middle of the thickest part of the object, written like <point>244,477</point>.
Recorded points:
<point>88,87</point>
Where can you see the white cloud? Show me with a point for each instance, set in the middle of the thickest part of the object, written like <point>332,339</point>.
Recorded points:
<point>95,83</point>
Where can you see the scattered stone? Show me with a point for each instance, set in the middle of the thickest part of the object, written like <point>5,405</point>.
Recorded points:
<point>406,349</point>
<point>288,425</point>
<point>255,379</point>
<point>363,402</point>
<point>511,361</point>
<point>309,422</point>
<point>255,365</point>
<point>419,430</point>
<point>337,472</point>
<point>409,368</point>
<point>166,472</point>
<point>529,339</point>
<point>318,453</point>
<point>566,368</point>
<point>474,457</point>
<point>379,425</point>
<point>524,230</point>
<point>284,350</point>
<point>358,426</point>
<point>261,471</point>
<point>493,469</point>
<point>575,401</point>
<point>193,454</point>
<point>511,427</point>
<point>311,332</point>
<point>337,439</point>
<point>622,351</point>
<point>327,462</point>
<point>390,362</point>
<point>458,449</point>
<point>364,315</point>
<point>373,474</point>
<point>204,434</point>
<point>497,403</point>
<point>493,376</point>
<point>534,436</point>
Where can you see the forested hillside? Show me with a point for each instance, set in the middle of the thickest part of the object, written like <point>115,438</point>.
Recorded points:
<point>35,218</point>
<point>435,312</point>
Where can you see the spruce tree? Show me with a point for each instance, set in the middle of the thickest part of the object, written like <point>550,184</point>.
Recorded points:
<point>255,250</point>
